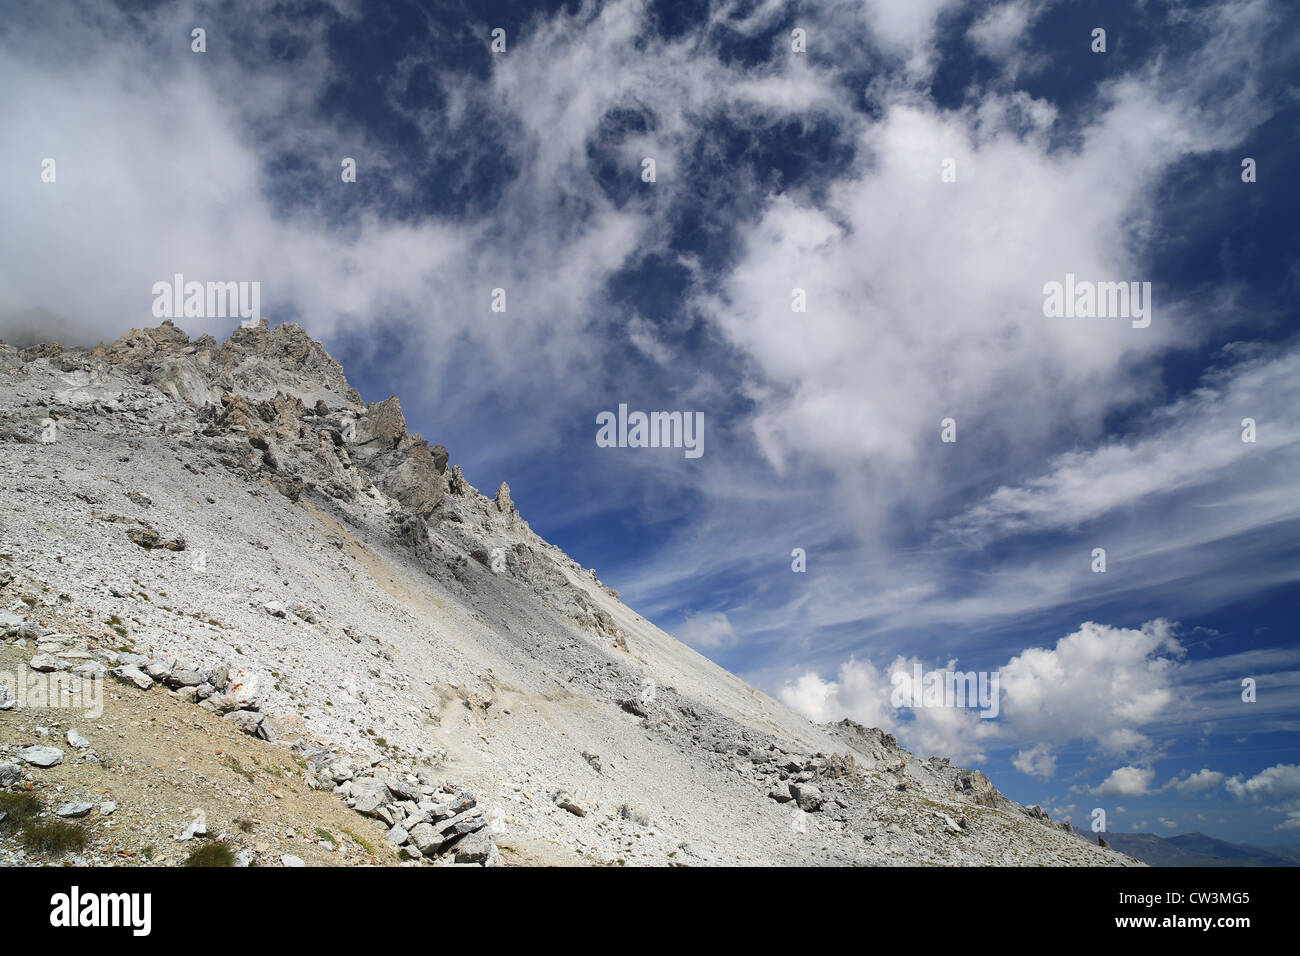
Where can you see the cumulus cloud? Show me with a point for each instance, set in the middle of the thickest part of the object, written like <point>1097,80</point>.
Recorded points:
<point>1197,782</point>
<point>1279,782</point>
<point>1126,781</point>
<point>1100,684</point>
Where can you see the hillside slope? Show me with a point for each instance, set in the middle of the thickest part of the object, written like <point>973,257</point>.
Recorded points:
<point>227,526</point>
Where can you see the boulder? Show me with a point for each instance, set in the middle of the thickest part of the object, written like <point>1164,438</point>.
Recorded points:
<point>564,800</point>
<point>426,839</point>
<point>133,675</point>
<point>369,796</point>
<point>807,796</point>
<point>250,722</point>
<point>478,848</point>
<point>42,756</point>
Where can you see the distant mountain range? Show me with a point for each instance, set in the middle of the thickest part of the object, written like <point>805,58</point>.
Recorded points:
<point>1196,849</point>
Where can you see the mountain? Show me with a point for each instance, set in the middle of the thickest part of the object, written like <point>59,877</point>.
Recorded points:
<point>1194,849</point>
<point>316,642</point>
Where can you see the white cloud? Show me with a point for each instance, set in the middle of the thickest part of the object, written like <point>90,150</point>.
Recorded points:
<point>1279,782</point>
<point>1196,782</point>
<point>1101,685</point>
<point>1037,761</point>
<point>709,631</point>
<point>1126,782</point>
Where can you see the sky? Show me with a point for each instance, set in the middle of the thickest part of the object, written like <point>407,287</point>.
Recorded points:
<point>840,260</point>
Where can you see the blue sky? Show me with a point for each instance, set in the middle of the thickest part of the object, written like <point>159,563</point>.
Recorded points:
<point>775,170</point>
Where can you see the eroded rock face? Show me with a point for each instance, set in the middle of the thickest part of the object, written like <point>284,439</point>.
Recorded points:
<point>404,465</point>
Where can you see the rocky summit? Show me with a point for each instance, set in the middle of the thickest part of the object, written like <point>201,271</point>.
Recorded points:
<point>249,617</point>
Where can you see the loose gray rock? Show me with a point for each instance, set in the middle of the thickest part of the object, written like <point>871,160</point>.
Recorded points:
<point>564,800</point>
<point>46,663</point>
<point>42,756</point>
<point>478,848</point>
<point>133,675</point>
<point>370,796</point>
<point>807,796</point>
<point>72,810</point>
<point>425,839</point>
<point>634,814</point>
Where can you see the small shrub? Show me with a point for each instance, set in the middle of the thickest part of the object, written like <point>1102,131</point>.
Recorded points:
<point>53,837</point>
<point>18,808</point>
<point>215,853</point>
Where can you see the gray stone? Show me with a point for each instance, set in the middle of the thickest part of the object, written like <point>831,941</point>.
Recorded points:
<point>10,773</point>
<point>76,740</point>
<point>74,809</point>
<point>290,860</point>
<point>195,829</point>
<point>133,675</point>
<point>160,670</point>
<point>370,796</point>
<point>425,839</point>
<point>634,814</point>
<point>250,722</point>
<point>564,800</point>
<point>42,756</point>
<point>46,663</point>
<point>402,789</point>
<point>478,848</point>
<point>807,796</point>
<point>467,822</point>
<point>184,677</point>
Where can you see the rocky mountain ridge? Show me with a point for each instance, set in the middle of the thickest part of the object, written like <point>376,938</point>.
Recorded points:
<point>227,527</point>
